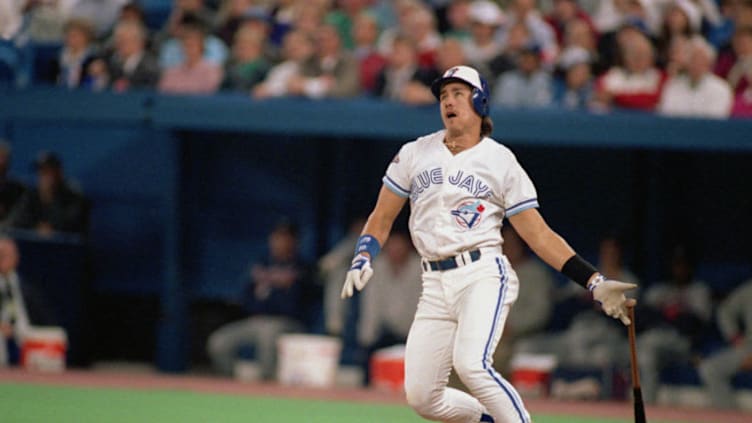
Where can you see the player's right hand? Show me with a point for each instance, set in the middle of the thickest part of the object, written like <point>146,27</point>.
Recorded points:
<point>610,294</point>
<point>358,275</point>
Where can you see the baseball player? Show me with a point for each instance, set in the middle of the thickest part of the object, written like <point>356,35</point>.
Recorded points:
<point>461,184</point>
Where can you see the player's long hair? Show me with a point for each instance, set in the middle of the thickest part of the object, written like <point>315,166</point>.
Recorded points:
<point>486,127</point>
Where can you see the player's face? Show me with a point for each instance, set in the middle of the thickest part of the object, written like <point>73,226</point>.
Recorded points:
<point>457,111</point>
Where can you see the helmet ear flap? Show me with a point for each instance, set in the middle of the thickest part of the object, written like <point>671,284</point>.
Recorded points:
<point>480,99</point>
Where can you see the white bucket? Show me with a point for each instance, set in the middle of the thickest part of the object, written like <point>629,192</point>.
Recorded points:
<point>44,348</point>
<point>308,360</point>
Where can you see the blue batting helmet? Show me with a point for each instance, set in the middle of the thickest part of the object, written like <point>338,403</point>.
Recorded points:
<point>471,77</point>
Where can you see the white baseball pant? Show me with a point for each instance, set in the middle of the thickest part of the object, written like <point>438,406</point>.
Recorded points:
<point>459,321</point>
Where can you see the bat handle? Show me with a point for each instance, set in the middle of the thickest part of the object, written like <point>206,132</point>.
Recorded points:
<point>633,348</point>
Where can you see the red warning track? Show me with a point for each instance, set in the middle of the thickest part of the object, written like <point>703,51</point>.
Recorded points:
<point>202,384</point>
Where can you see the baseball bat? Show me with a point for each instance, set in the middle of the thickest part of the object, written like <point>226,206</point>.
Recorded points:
<point>639,406</point>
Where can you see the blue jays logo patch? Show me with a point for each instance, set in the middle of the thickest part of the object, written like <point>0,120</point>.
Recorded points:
<point>468,214</point>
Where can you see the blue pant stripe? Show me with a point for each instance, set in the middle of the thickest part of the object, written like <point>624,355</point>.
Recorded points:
<point>511,393</point>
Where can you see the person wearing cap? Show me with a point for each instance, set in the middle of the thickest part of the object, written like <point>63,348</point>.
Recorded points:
<point>485,18</point>
<point>462,184</point>
<point>54,205</point>
<point>273,299</point>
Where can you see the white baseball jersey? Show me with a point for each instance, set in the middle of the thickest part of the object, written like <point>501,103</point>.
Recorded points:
<point>458,201</point>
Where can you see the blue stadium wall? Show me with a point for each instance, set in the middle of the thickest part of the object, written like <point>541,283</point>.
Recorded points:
<point>184,190</point>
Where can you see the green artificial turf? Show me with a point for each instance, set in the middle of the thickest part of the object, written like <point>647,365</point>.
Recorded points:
<point>26,403</point>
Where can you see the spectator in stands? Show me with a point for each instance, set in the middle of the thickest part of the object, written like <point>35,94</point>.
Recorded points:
<point>527,13</point>
<point>733,14</point>
<point>450,54</point>
<point>743,104</point>
<point>248,66</point>
<point>579,35</point>
<point>77,52</point>
<point>231,15</point>
<point>332,73</point>
<point>680,18</point>
<point>54,205</point>
<point>574,88</point>
<point>309,16</point>
<point>563,14</point>
<point>485,20</point>
<point>365,35</point>
<point>527,86</point>
<point>46,20</point>
<point>403,9</point>
<point>274,301</point>
<point>675,313</point>
<point>611,43</point>
<point>422,30</point>
<point>196,9</point>
<point>635,85</point>
<point>735,323</point>
<point>298,54</point>
<point>197,74</point>
<point>697,92</point>
<point>613,14</point>
<point>11,190</point>
<point>171,52</point>
<point>532,311</point>
<point>517,39</point>
<point>130,66</point>
<point>343,19</point>
<point>130,13</point>
<point>458,19</point>
<point>101,13</point>
<point>403,79</point>
<point>677,57</point>
<point>739,69</point>
<point>11,18</point>
<point>387,311</point>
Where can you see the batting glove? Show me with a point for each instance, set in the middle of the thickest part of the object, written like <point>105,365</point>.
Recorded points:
<point>610,295</point>
<point>358,275</point>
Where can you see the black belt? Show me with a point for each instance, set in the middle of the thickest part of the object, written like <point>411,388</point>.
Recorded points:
<point>452,262</point>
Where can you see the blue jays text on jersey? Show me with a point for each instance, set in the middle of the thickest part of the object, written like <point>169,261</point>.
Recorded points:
<point>473,184</point>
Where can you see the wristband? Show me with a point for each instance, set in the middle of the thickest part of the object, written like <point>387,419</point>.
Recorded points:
<point>596,280</point>
<point>368,244</point>
<point>578,270</point>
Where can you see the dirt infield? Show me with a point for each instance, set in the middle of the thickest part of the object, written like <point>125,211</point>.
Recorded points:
<point>119,379</point>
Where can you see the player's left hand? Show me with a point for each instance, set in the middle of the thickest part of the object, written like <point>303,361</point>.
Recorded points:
<point>610,294</point>
<point>358,275</point>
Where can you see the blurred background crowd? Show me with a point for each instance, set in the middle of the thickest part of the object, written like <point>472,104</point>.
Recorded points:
<point>688,58</point>
<point>673,57</point>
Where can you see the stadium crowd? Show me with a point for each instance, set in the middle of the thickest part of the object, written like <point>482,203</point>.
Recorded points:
<point>671,57</point>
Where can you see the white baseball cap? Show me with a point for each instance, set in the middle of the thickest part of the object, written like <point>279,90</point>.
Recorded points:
<point>486,12</point>
<point>464,74</point>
